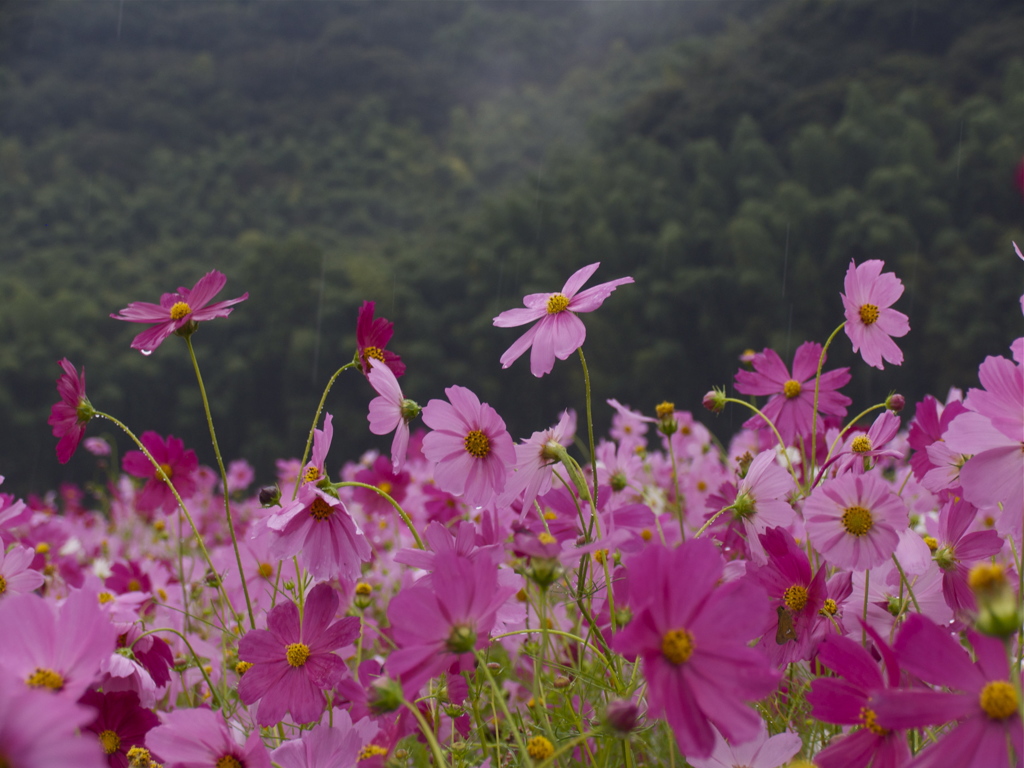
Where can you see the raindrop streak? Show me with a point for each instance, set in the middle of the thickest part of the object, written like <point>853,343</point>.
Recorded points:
<point>319,316</point>
<point>120,13</point>
<point>959,144</point>
<point>785,262</point>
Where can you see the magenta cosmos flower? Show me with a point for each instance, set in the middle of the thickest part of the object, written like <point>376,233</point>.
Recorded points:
<point>390,411</point>
<point>328,746</point>
<point>176,310</point>
<point>790,403</point>
<point>700,671</point>
<point>199,738</point>
<point>178,464</point>
<point>982,698</point>
<point>470,447</point>
<point>559,331</point>
<point>69,417</point>
<point>293,660</point>
<point>372,335</point>
<point>855,521</point>
<point>120,723</point>
<point>870,320</point>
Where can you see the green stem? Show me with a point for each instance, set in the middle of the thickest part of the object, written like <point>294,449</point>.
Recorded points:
<point>566,747</point>
<point>498,697</point>
<point>712,519</point>
<point>199,664</point>
<point>181,504</point>
<point>817,387</point>
<point>401,512</point>
<point>224,481</point>
<point>590,425</point>
<point>427,732</point>
<point>316,420</point>
<point>778,437</point>
<point>906,581</point>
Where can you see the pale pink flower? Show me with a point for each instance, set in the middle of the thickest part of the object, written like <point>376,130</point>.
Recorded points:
<point>559,331</point>
<point>870,321</point>
<point>391,411</point>
<point>16,574</point>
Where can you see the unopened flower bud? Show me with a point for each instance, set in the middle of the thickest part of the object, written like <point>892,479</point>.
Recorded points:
<point>714,401</point>
<point>621,715</point>
<point>364,595</point>
<point>895,402</point>
<point>270,496</point>
<point>410,409</point>
<point>385,695</point>
<point>667,423</point>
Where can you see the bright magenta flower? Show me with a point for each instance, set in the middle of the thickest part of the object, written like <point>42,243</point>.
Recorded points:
<point>293,660</point>
<point>870,321</point>
<point>693,642</point>
<point>176,310</point>
<point>560,332</point>
<point>855,521</point>
<point>372,335</point>
<point>470,446</point>
<point>178,464</point>
<point>791,402</point>
<point>69,417</point>
<point>120,723</point>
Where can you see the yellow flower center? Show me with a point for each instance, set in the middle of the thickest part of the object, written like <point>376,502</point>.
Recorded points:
<point>385,486</point>
<point>861,444</point>
<point>646,534</point>
<point>600,556</point>
<point>167,470</point>
<point>371,750</point>
<point>932,543</point>
<point>664,408</point>
<point>320,509</point>
<point>867,717</point>
<point>477,444</point>
<point>311,475</point>
<point>462,639</point>
<point>791,389</point>
<point>998,699</point>
<point>677,646</point>
<point>830,608</point>
<point>546,538</point>
<point>539,748</point>
<point>242,667</point>
<point>139,757</point>
<point>42,548</point>
<point>180,310</point>
<point>266,570</point>
<point>45,678</point>
<point>297,654</point>
<point>110,742</point>
<point>229,761</point>
<point>105,597</point>
<point>375,352</point>
<point>3,585</point>
<point>868,313</point>
<point>557,303</point>
<point>134,585</point>
<point>857,520</point>
<point>986,576</point>
<point>364,589</point>
<point>795,598</point>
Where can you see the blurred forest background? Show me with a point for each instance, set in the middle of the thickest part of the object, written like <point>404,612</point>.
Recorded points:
<point>445,158</point>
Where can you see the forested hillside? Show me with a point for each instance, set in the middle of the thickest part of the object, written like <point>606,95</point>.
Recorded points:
<point>443,159</point>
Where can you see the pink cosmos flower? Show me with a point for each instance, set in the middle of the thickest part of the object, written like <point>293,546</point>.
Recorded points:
<point>931,419</point>
<point>870,321</point>
<point>536,460</point>
<point>178,464</point>
<point>693,643</point>
<point>69,417</point>
<point>293,661</point>
<point>16,574</point>
<point>390,411</point>
<point>560,332</point>
<point>983,698</point>
<point>380,475</point>
<point>791,403</point>
<point>759,752</point>
<point>177,310</point>
<point>861,450</point>
<point>470,447</point>
<point>56,649</point>
<point>372,335</point>
<point>956,550</point>
<point>120,724</point>
<point>327,746</point>
<point>199,738</point>
<point>41,731</point>
<point>854,521</point>
<point>435,625</point>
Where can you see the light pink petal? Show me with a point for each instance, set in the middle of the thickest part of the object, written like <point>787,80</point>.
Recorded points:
<point>519,346</point>
<point>893,323</point>
<point>143,312</point>
<point>542,357</point>
<point>777,750</point>
<point>384,382</point>
<point>466,405</point>
<point>592,298</point>
<point>400,446</point>
<point>511,318</point>
<point>885,290</point>
<point>971,433</point>
<point>384,416</point>
<point>153,337</point>
<point>578,278</point>
<point>568,334</point>
<point>995,477</point>
<point>209,285</point>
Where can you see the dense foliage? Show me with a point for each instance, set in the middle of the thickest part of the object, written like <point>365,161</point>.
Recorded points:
<point>444,158</point>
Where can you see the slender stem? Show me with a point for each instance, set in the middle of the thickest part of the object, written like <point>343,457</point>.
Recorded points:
<point>498,697</point>
<point>199,664</point>
<point>561,633</point>
<point>590,424</point>
<point>906,581</point>
<point>401,512</point>
<point>566,747</point>
<point>863,632</point>
<point>817,387</point>
<point>675,485</point>
<point>181,504</point>
<point>778,437</point>
<point>427,732</point>
<point>316,419</point>
<point>712,519</point>
<point>224,481</point>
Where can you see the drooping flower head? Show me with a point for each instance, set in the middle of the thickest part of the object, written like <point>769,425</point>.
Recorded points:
<point>390,411</point>
<point>69,417</point>
<point>293,660</point>
<point>469,446</point>
<point>176,310</point>
<point>559,331</point>
<point>870,320</point>
<point>178,464</point>
<point>372,335</point>
<point>790,403</point>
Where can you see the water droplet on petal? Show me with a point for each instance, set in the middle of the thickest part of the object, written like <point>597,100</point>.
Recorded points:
<point>146,352</point>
